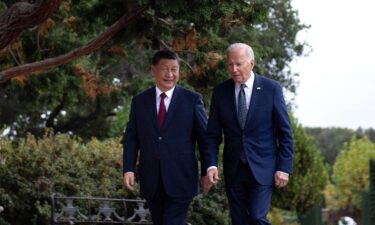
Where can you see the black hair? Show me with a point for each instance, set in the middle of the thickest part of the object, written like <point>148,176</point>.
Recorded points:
<point>164,54</point>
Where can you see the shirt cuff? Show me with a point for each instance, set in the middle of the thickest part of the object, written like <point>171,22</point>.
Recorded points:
<point>211,167</point>
<point>287,174</point>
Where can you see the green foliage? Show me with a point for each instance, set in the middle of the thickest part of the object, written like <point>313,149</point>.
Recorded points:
<point>281,217</point>
<point>370,133</point>
<point>309,177</point>
<point>46,102</point>
<point>3,7</point>
<point>30,104</point>
<point>210,209</point>
<point>33,169</point>
<point>3,222</point>
<point>351,174</point>
<point>330,140</point>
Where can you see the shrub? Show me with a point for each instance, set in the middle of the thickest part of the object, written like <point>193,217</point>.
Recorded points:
<point>33,169</point>
<point>310,175</point>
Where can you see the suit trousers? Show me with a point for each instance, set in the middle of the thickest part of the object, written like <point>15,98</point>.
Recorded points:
<point>167,210</point>
<point>249,201</point>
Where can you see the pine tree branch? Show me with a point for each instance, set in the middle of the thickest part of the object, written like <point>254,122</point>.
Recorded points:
<point>181,60</point>
<point>29,68</point>
<point>23,15</point>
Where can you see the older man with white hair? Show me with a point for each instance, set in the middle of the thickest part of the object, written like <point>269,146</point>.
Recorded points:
<point>250,111</point>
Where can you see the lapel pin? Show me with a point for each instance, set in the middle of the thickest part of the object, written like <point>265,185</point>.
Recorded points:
<point>259,88</point>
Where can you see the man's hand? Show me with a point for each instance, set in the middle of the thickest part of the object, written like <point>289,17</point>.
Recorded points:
<point>129,181</point>
<point>213,175</point>
<point>281,179</point>
<point>206,185</point>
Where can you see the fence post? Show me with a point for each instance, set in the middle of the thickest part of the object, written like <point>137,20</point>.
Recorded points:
<point>371,195</point>
<point>312,217</point>
<point>365,208</point>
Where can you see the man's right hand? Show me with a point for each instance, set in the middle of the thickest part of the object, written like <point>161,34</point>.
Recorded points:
<point>205,184</point>
<point>129,181</point>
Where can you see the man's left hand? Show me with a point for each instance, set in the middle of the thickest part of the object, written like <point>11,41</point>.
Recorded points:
<point>281,179</point>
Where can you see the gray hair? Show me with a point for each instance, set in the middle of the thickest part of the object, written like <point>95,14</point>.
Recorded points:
<point>248,49</point>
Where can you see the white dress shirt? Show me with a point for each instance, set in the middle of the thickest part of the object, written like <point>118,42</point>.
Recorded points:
<point>248,90</point>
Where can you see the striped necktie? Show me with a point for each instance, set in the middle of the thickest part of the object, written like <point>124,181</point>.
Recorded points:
<point>241,106</point>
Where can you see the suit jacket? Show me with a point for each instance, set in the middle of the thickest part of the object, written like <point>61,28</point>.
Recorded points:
<point>168,151</point>
<point>266,138</point>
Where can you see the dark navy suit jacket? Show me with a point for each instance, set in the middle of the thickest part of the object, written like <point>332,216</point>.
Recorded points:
<point>168,151</point>
<point>266,138</point>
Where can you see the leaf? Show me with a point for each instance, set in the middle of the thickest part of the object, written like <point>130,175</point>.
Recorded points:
<point>89,81</point>
<point>117,50</point>
<point>215,59</point>
<point>67,6</point>
<point>190,40</point>
<point>71,22</point>
<point>179,44</point>
<point>46,26</point>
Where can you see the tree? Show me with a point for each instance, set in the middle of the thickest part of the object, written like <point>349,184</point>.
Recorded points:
<point>26,69</point>
<point>83,96</point>
<point>351,174</point>
<point>309,178</point>
<point>330,140</point>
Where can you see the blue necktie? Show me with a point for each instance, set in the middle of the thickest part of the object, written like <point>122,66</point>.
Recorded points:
<point>241,106</point>
<point>241,113</point>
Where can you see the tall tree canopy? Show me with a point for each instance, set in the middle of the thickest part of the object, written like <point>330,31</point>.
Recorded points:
<point>73,70</point>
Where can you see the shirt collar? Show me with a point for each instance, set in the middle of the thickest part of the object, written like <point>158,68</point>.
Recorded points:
<point>169,93</point>
<point>250,82</point>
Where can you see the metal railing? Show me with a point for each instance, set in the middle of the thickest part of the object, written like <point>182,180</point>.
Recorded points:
<point>93,210</point>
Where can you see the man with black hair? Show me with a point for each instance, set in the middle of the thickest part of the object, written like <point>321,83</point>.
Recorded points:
<point>165,123</point>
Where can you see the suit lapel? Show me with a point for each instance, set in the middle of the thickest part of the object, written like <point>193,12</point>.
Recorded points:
<point>151,106</point>
<point>232,101</point>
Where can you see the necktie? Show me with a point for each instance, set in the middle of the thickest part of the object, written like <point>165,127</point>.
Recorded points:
<point>241,106</point>
<point>242,112</point>
<point>162,110</point>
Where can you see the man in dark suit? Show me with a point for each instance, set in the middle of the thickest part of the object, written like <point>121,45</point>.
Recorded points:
<point>165,123</point>
<point>258,147</point>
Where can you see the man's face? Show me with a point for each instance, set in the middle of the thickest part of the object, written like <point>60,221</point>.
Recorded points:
<point>166,74</point>
<point>238,65</point>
